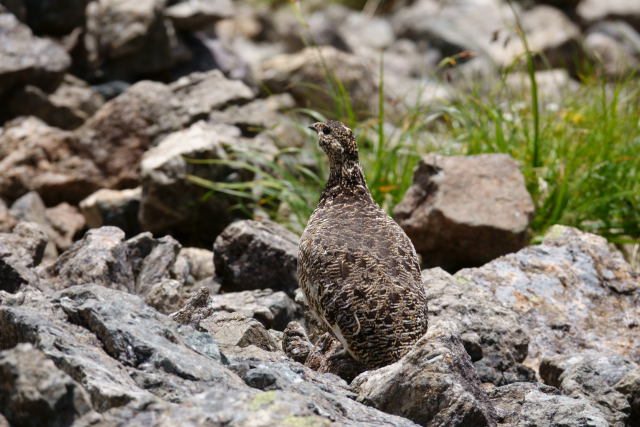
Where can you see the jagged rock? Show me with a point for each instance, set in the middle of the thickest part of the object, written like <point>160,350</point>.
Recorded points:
<point>37,157</point>
<point>464,211</point>
<point>490,332</point>
<point>20,252</point>
<point>563,291</point>
<point>326,395</point>
<point>616,45</point>
<point>295,395</point>
<point>26,59</point>
<point>170,199</point>
<point>127,39</point>
<point>195,14</point>
<point>523,404</point>
<point>591,11</point>
<point>242,337</point>
<point>141,265</point>
<point>67,107</point>
<point>256,255</point>
<point>305,75</point>
<point>434,384</point>
<point>118,208</point>
<point>273,309</point>
<point>118,348</point>
<point>35,392</point>
<point>598,378</point>
<point>195,309</point>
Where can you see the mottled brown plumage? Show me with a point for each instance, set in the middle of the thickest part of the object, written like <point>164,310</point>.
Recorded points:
<point>358,270</point>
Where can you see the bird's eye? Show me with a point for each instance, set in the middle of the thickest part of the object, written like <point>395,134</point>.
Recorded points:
<point>326,130</point>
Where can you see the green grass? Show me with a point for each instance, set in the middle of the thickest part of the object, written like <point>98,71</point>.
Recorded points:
<point>580,159</point>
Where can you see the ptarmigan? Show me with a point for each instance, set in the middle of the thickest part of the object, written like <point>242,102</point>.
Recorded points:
<point>357,268</point>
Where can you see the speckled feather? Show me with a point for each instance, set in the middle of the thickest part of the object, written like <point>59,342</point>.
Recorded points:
<point>357,268</point>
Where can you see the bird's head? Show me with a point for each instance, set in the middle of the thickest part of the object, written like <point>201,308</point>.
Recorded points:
<point>337,141</point>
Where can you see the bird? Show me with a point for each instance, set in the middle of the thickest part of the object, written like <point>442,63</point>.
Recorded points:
<point>358,270</point>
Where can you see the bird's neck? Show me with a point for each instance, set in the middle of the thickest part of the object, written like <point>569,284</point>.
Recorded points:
<point>345,179</point>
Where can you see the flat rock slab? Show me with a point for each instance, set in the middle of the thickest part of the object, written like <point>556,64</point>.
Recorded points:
<point>463,211</point>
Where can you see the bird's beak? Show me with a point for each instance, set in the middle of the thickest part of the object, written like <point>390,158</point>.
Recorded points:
<point>314,127</point>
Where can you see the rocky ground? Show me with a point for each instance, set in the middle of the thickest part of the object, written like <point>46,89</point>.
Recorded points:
<point>128,298</point>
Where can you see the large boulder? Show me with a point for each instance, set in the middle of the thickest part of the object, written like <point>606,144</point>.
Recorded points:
<point>604,379</point>
<point>490,331</point>
<point>256,255</point>
<point>464,211</point>
<point>564,290</point>
<point>26,59</point>
<point>434,384</point>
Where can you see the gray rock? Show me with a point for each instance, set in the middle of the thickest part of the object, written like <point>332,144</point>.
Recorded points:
<point>304,75</point>
<point>591,11</point>
<point>452,29</point>
<point>36,157</point>
<point>595,377</point>
<point>490,332</point>
<point>118,348</point>
<point>563,291</point>
<point>26,59</point>
<point>525,404</point>
<point>35,392</point>
<point>20,252</point>
<point>128,39</point>
<point>234,333</point>
<point>273,309</point>
<point>118,208</point>
<point>434,384</point>
<point>195,14</point>
<point>465,211</point>
<point>7,220</point>
<point>141,265</point>
<point>326,396</point>
<point>256,255</point>
<point>67,107</point>
<point>99,257</point>
<point>170,199</point>
<point>616,45</point>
